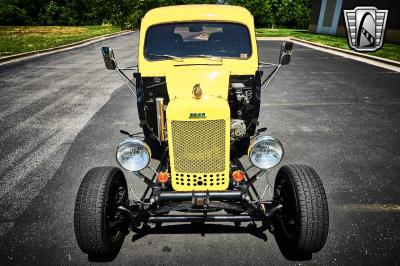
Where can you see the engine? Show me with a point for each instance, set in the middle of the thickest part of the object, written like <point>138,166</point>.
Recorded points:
<point>238,129</point>
<point>244,101</point>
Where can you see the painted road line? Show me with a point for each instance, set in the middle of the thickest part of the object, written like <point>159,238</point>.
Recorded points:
<point>374,207</point>
<point>327,104</point>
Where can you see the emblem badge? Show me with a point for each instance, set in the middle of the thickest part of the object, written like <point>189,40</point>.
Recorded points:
<point>197,115</point>
<point>365,28</point>
<point>197,92</point>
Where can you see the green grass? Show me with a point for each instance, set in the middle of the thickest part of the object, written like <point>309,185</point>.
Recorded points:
<point>20,39</point>
<point>389,51</point>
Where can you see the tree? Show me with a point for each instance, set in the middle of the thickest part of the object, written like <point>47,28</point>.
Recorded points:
<point>11,14</point>
<point>267,13</point>
<point>51,14</point>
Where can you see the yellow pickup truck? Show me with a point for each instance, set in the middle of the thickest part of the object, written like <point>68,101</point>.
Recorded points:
<point>198,85</point>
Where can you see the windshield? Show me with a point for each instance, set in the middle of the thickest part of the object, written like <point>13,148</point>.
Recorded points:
<point>197,39</point>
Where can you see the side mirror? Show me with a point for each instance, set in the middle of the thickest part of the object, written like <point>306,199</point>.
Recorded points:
<point>109,59</point>
<point>287,46</point>
<point>284,59</point>
<point>286,53</point>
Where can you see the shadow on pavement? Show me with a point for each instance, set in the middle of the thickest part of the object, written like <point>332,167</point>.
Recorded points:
<point>200,228</point>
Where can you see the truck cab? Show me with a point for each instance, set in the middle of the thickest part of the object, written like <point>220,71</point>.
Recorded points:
<point>210,49</point>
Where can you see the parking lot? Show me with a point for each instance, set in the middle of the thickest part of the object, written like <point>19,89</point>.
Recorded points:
<point>60,115</point>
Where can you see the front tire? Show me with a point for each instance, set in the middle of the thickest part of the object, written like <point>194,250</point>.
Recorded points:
<point>302,227</point>
<point>98,229</point>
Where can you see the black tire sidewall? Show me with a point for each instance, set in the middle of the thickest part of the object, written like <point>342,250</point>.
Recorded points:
<point>90,212</point>
<point>312,211</point>
<point>289,243</point>
<point>116,175</point>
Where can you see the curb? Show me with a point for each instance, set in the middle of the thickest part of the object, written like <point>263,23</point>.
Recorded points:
<point>371,57</point>
<point>273,38</point>
<point>28,55</point>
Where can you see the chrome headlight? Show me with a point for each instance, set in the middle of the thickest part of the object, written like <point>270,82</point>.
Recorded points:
<point>265,152</point>
<point>133,154</point>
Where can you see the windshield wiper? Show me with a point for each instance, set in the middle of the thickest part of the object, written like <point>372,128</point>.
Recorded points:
<point>211,57</point>
<point>176,58</point>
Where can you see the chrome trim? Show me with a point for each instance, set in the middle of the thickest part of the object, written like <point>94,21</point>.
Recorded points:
<point>160,118</point>
<point>264,138</point>
<point>137,141</point>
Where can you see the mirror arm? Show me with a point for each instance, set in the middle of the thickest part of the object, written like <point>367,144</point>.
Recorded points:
<point>126,80</point>
<point>126,77</point>
<point>134,68</point>
<point>264,65</point>
<point>265,83</point>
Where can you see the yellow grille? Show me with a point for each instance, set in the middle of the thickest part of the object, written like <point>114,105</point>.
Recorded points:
<point>199,155</point>
<point>199,146</point>
<point>201,181</point>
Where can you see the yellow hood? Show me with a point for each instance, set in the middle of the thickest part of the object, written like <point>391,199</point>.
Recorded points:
<point>212,79</point>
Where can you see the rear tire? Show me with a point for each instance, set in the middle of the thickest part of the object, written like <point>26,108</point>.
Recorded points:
<point>98,229</point>
<point>302,227</point>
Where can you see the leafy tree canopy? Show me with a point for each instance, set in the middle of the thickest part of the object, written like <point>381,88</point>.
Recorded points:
<point>128,13</point>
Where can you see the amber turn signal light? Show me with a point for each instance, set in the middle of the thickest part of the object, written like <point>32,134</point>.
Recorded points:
<point>162,177</point>
<point>238,176</point>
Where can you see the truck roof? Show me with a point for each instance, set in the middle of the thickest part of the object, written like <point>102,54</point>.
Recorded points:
<point>193,13</point>
<point>205,12</point>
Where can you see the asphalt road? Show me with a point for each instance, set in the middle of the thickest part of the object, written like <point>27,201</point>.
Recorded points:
<point>60,115</point>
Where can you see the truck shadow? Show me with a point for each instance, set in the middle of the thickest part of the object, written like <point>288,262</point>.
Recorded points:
<point>203,229</point>
<point>200,228</point>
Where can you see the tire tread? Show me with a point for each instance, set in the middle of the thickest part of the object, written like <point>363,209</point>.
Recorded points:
<point>312,207</point>
<point>89,211</point>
